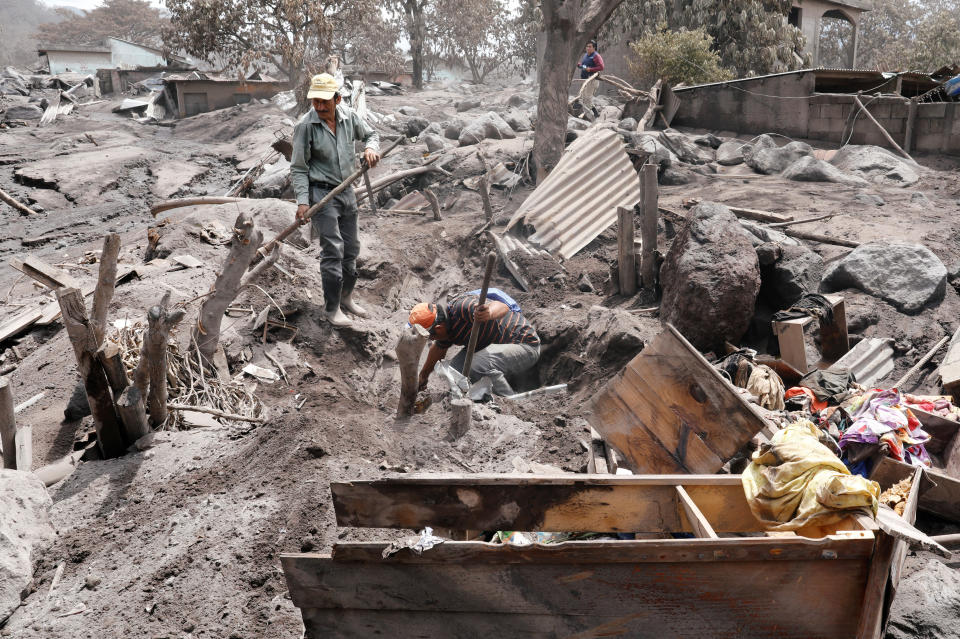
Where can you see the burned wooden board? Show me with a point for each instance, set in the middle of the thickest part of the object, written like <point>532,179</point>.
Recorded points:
<point>939,493</point>
<point>556,503</point>
<point>945,440</point>
<point>670,411</point>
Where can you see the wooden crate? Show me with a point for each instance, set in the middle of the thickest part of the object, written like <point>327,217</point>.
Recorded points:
<point>834,340</point>
<point>727,578</point>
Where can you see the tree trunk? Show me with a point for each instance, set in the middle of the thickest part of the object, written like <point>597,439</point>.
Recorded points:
<point>243,248</point>
<point>106,282</point>
<point>152,368</point>
<point>409,349</point>
<point>416,30</point>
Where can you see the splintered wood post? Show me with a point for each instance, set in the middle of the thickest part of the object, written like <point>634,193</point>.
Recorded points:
<point>461,412</point>
<point>109,356</point>
<point>105,285</point>
<point>132,413</point>
<point>243,248</point>
<point>911,122</point>
<point>626,258</point>
<point>883,131</point>
<point>23,440</point>
<point>434,203</point>
<point>83,338</point>
<point>651,112</point>
<point>648,225</point>
<point>8,425</point>
<point>409,349</point>
<point>484,187</point>
<point>153,357</point>
<point>373,200</point>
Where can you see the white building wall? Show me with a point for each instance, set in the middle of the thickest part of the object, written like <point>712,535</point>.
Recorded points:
<point>128,56</point>
<point>77,61</point>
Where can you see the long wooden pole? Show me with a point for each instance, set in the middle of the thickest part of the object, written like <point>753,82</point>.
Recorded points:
<point>265,250</point>
<point>475,329</point>
<point>886,135</point>
<point>23,210</point>
<point>923,362</point>
<point>8,425</point>
<point>648,224</point>
<point>626,257</point>
<point>780,225</point>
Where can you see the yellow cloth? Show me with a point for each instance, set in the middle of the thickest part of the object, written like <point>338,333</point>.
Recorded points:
<point>767,386</point>
<point>795,481</point>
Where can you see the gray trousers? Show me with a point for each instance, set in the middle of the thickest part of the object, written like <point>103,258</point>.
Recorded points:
<point>337,226</point>
<point>497,361</point>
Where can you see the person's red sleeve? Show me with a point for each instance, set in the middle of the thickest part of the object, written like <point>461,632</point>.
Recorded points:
<point>597,63</point>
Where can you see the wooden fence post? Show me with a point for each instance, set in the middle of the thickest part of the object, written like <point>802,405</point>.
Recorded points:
<point>106,281</point>
<point>434,204</point>
<point>626,258</point>
<point>8,425</point>
<point>152,368</point>
<point>83,338</point>
<point>648,225</point>
<point>409,349</point>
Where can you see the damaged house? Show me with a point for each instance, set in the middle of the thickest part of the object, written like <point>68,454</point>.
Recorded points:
<point>113,53</point>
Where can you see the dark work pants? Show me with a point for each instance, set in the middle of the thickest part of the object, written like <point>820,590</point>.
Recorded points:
<point>337,226</point>
<point>498,361</point>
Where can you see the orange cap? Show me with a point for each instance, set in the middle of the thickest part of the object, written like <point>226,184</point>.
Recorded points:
<point>423,314</point>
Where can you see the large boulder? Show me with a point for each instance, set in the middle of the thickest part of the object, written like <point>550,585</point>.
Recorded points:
<point>24,529</point>
<point>909,276</point>
<point>795,273</point>
<point>657,153</point>
<point>468,104</point>
<point>488,126</point>
<point>770,160</point>
<point>612,336</point>
<point>927,603</point>
<point>876,165</point>
<point>23,112</point>
<point>415,126</point>
<point>685,148</point>
<point>452,129</point>
<point>518,120</point>
<point>710,278</point>
<point>810,169</point>
<point>757,144</point>
<point>434,142</point>
<point>730,153</point>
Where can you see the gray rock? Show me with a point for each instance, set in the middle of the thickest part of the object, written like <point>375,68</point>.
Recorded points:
<point>754,146</point>
<point>710,278</point>
<point>408,110</point>
<point>927,603</point>
<point>630,124</point>
<point>796,273</point>
<point>584,285</point>
<point>675,176</point>
<point>23,112</point>
<point>488,126</point>
<point>876,165</point>
<point>468,104</point>
<point>684,148</point>
<point>435,128</point>
<point>708,139</point>
<point>415,126</point>
<point>452,130</point>
<point>433,142</point>
<point>909,276</point>
<point>810,169</point>
<point>613,336</point>
<point>655,150</point>
<point>518,120</point>
<point>516,100</point>
<point>730,153</point>
<point>576,124</point>
<point>869,199</point>
<point>78,406</point>
<point>953,274</point>
<point>24,529</point>
<point>919,199</point>
<point>768,253</point>
<point>772,160</point>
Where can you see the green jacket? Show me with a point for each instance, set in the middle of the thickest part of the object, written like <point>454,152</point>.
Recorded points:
<point>321,156</point>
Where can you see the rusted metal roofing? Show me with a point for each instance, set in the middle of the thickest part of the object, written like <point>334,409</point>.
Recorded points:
<point>579,199</point>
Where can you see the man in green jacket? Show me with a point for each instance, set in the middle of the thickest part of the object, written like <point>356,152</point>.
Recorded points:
<point>323,156</point>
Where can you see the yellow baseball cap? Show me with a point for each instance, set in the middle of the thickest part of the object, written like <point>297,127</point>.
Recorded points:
<point>322,86</point>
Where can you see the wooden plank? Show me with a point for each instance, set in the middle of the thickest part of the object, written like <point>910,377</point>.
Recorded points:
<point>750,214</point>
<point>943,431</point>
<point>648,225</point>
<point>23,442</point>
<point>670,411</point>
<point>874,599</point>
<point>834,338</point>
<point>50,276</point>
<point>695,519</point>
<point>696,599</point>
<point>597,503</point>
<point>949,370</point>
<point>8,425</point>
<point>790,337</point>
<point>597,459</point>
<point>626,258</point>
<point>939,493</point>
<point>19,323</point>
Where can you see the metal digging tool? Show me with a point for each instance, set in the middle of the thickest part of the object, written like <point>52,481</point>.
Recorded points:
<point>266,249</point>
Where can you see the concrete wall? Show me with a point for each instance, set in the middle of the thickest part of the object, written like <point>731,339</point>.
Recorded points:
<point>220,95</point>
<point>822,117</point>
<point>77,61</point>
<point>128,56</point>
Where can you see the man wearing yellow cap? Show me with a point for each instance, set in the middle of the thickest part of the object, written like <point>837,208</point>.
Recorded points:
<point>506,342</point>
<point>323,156</point>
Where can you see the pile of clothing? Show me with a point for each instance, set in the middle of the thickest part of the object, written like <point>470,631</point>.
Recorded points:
<point>882,424</point>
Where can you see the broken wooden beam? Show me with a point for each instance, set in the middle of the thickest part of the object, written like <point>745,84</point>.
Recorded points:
<point>20,208</point>
<point>23,442</point>
<point>109,357</point>
<point>168,205</point>
<point>83,339</point>
<point>106,281</point>
<point>626,258</point>
<point>8,425</point>
<point>920,364</point>
<point>651,112</point>
<point>50,276</point>
<point>409,349</point>
<point>461,413</point>
<point>648,225</point>
<point>883,131</point>
<point>130,406</point>
<point>153,358</point>
<point>823,239</point>
<point>750,214</point>
<point>434,204</point>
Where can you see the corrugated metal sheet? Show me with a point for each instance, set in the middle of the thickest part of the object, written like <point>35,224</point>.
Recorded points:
<point>579,199</point>
<point>870,360</point>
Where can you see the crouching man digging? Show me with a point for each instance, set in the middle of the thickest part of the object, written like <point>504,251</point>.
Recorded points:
<point>507,344</point>
<point>323,156</point>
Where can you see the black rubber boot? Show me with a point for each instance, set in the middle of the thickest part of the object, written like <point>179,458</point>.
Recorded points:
<point>349,282</point>
<point>332,290</point>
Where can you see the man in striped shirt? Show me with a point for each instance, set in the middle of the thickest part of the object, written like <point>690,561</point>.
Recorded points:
<point>506,343</point>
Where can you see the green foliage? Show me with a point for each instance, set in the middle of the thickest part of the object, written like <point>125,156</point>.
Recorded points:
<point>134,20</point>
<point>18,20</point>
<point>910,35</point>
<point>675,57</point>
<point>752,37</point>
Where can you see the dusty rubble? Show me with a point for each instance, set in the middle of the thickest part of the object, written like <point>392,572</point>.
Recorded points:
<point>182,536</point>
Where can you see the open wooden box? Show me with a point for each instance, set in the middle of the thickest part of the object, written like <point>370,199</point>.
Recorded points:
<point>728,578</point>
